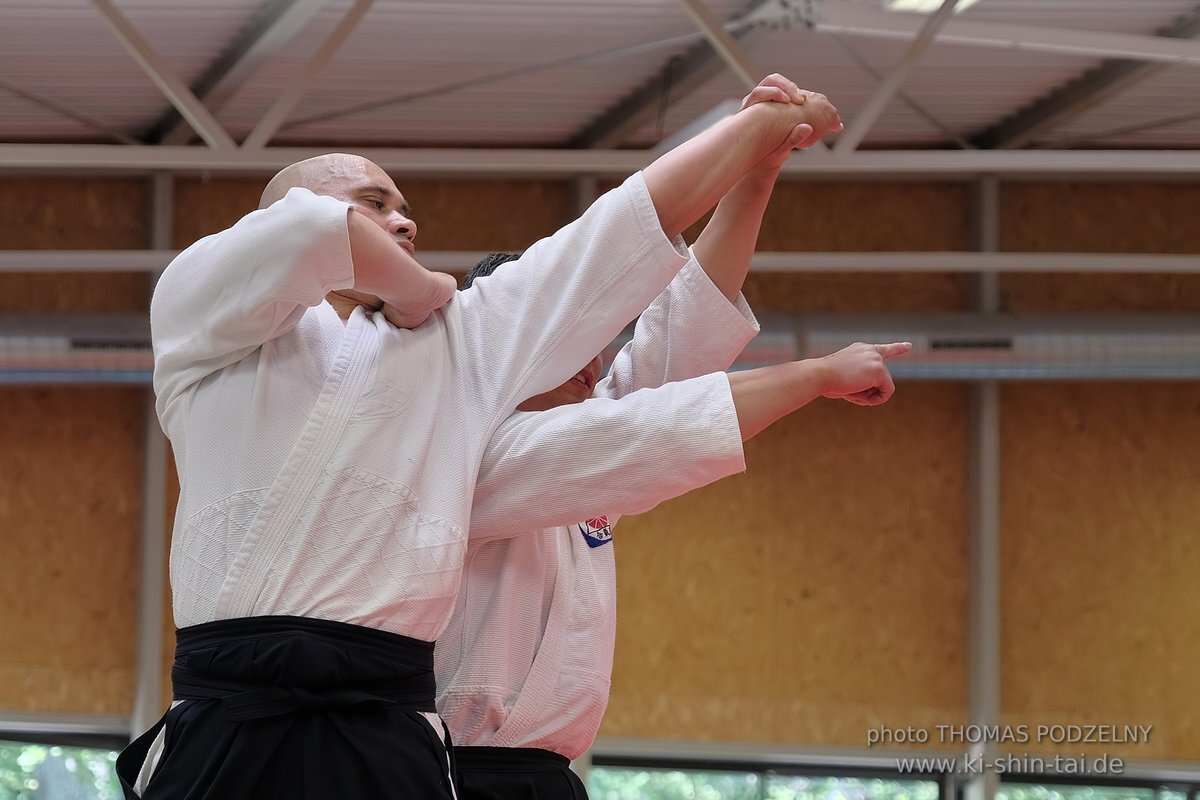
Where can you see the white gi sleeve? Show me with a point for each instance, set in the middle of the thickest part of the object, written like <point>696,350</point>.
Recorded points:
<point>556,467</point>
<point>690,329</point>
<point>538,320</point>
<point>229,293</point>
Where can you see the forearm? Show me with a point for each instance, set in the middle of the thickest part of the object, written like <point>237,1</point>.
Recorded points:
<point>689,180</point>
<point>765,395</point>
<point>726,245</point>
<point>602,456</point>
<point>383,269</point>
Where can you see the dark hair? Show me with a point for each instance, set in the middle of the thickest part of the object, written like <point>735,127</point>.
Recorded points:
<point>487,265</point>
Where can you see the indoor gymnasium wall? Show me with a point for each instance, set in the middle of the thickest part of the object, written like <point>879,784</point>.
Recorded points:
<point>70,500</point>
<point>450,214</point>
<point>819,594</point>
<point>70,465</point>
<point>1100,504</point>
<point>824,591</point>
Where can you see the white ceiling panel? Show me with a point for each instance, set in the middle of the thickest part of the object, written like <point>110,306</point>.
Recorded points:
<point>531,73</point>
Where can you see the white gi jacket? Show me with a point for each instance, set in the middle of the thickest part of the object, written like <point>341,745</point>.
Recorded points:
<point>327,469</point>
<point>527,658</point>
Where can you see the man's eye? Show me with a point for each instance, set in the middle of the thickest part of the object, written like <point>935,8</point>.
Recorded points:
<point>378,204</point>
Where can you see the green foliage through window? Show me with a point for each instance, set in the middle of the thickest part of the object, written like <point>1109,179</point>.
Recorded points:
<point>50,772</point>
<point>631,783</point>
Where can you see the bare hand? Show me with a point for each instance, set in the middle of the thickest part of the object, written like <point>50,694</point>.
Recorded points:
<point>859,373</point>
<point>775,88</point>
<point>817,118</point>
<point>434,292</point>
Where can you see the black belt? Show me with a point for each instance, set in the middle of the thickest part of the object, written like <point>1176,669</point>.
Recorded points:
<point>508,759</point>
<point>249,701</point>
<point>266,666</point>
<point>262,692</point>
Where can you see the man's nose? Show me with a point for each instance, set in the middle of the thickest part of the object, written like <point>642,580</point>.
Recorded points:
<point>400,225</point>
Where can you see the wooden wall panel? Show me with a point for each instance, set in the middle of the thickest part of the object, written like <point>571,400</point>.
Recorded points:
<point>69,517</point>
<point>856,292</point>
<point>877,216</point>
<point>852,216</point>
<point>72,214</point>
<point>821,593</point>
<point>450,215</point>
<point>485,214</point>
<point>1098,217</point>
<point>1063,293</point>
<point>1100,514</point>
<point>207,206</point>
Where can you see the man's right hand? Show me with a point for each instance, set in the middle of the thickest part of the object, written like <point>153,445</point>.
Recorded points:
<point>432,291</point>
<point>859,373</point>
<point>799,121</point>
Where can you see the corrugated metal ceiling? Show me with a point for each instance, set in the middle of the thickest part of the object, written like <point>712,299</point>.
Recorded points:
<point>538,72</point>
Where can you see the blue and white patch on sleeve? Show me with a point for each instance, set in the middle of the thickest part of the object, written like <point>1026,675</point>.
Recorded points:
<point>596,531</point>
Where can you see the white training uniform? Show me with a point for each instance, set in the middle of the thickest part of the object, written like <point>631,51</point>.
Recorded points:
<point>327,469</point>
<point>527,658</point>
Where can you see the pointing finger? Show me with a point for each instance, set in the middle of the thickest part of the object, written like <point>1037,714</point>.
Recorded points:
<point>894,349</point>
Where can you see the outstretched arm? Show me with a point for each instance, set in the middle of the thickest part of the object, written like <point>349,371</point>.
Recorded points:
<point>619,258</point>
<point>700,323</point>
<point>857,373</point>
<point>603,456</point>
<point>727,243</point>
<point>689,180</point>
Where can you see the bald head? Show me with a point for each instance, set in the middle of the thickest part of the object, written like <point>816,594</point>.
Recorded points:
<point>331,174</point>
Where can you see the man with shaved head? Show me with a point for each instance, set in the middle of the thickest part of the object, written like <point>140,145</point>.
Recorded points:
<point>414,292</point>
<point>329,402</point>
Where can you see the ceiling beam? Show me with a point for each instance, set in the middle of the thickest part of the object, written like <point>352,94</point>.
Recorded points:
<point>476,81</point>
<point>533,162</point>
<point>272,29</point>
<point>680,76</point>
<point>59,108</point>
<point>732,52</point>
<point>865,20</point>
<point>1077,96</point>
<point>805,261</point>
<point>164,78</point>
<point>862,122</point>
<point>278,113</point>
<point>1125,130</point>
<point>920,110</point>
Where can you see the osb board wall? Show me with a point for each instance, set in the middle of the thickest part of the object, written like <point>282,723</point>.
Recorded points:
<point>864,672</point>
<point>485,215</point>
<point>1100,217</point>
<point>1100,514</point>
<point>450,215</point>
<point>861,216</point>
<point>819,594</point>
<point>69,519</point>
<point>41,213</point>
<point>207,206</point>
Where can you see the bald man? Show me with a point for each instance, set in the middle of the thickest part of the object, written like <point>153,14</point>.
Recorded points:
<point>327,458</point>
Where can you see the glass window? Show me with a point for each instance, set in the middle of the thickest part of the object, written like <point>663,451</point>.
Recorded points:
<point>52,772</point>
<point>1051,791</point>
<point>828,787</point>
<point>640,783</point>
<point>631,783</point>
